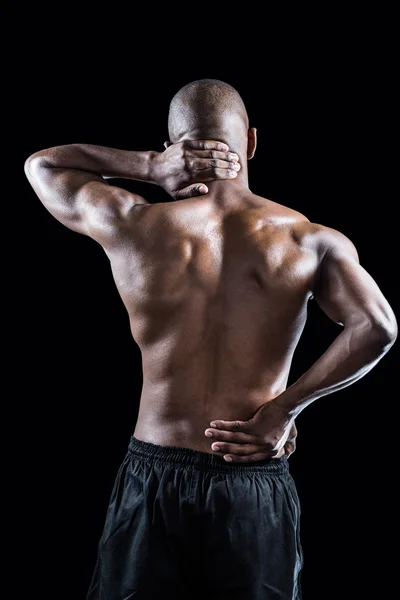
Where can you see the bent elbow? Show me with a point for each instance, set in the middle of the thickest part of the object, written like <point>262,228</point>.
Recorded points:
<point>34,164</point>
<point>377,334</point>
<point>384,334</point>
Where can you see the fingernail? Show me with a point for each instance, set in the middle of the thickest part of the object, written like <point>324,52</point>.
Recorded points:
<point>209,434</point>
<point>228,458</point>
<point>216,448</point>
<point>213,424</point>
<point>236,166</point>
<point>232,173</point>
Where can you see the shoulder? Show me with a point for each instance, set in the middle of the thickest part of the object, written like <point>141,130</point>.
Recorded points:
<point>261,213</point>
<point>110,213</point>
<point>110,197</point>
<point>312,236</point>
<point>324,240</point>
<point>110,204</point>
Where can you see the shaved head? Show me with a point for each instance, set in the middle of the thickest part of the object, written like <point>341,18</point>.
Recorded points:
<point>209,109</point>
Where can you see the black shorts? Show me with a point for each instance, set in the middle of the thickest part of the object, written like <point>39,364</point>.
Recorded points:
<point>184,524</point>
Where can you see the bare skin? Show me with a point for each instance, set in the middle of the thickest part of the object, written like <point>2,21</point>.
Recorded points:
<point>216,287</point>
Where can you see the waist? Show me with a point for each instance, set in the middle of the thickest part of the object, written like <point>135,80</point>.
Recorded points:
<point>178,433</point>
<point>183,433</point>
<point>201,460</point>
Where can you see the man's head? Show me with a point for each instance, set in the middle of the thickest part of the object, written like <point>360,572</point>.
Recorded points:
<point>211,109</point>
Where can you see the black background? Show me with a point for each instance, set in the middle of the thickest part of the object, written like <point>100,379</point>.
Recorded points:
<point>325,115</point>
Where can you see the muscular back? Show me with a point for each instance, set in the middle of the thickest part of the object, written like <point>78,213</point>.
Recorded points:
<point>216,286</point>
<point>217,300</point>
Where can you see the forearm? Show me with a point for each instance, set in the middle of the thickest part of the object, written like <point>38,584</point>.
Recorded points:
<point>351,356</point>
<point>106,162</point>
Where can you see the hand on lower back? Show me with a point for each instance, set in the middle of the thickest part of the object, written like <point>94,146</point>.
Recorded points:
<point>270,433</point>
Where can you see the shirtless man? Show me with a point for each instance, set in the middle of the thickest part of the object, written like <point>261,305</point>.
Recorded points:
<point>216,284</point>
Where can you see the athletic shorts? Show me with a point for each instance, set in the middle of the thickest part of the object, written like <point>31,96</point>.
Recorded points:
<point>185,525</point>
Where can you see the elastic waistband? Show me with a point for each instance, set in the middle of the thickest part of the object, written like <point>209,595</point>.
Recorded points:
<point>204,461</point>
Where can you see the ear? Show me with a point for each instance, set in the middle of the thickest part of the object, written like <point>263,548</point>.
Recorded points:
<point>251,142</point>
<point>167,144</point>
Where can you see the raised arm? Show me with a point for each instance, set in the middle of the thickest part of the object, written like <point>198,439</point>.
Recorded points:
<point>71,180</point>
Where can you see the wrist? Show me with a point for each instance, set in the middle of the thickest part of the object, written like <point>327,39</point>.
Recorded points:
<point>289,403</point>
<point>281,407</point>
<point>154,166</point>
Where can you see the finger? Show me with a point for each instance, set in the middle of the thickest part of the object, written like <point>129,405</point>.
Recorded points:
<point>213,174</point>
<point>206,145</point>
<point>197,189</point>
<point>226,156</point>
<point>199,164</point>
<point>234,458</point>
<point>290,447</point>
<point>217,435</point>
<point>292,436</point>
<point>230,425</point>
<point>239,449</point>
